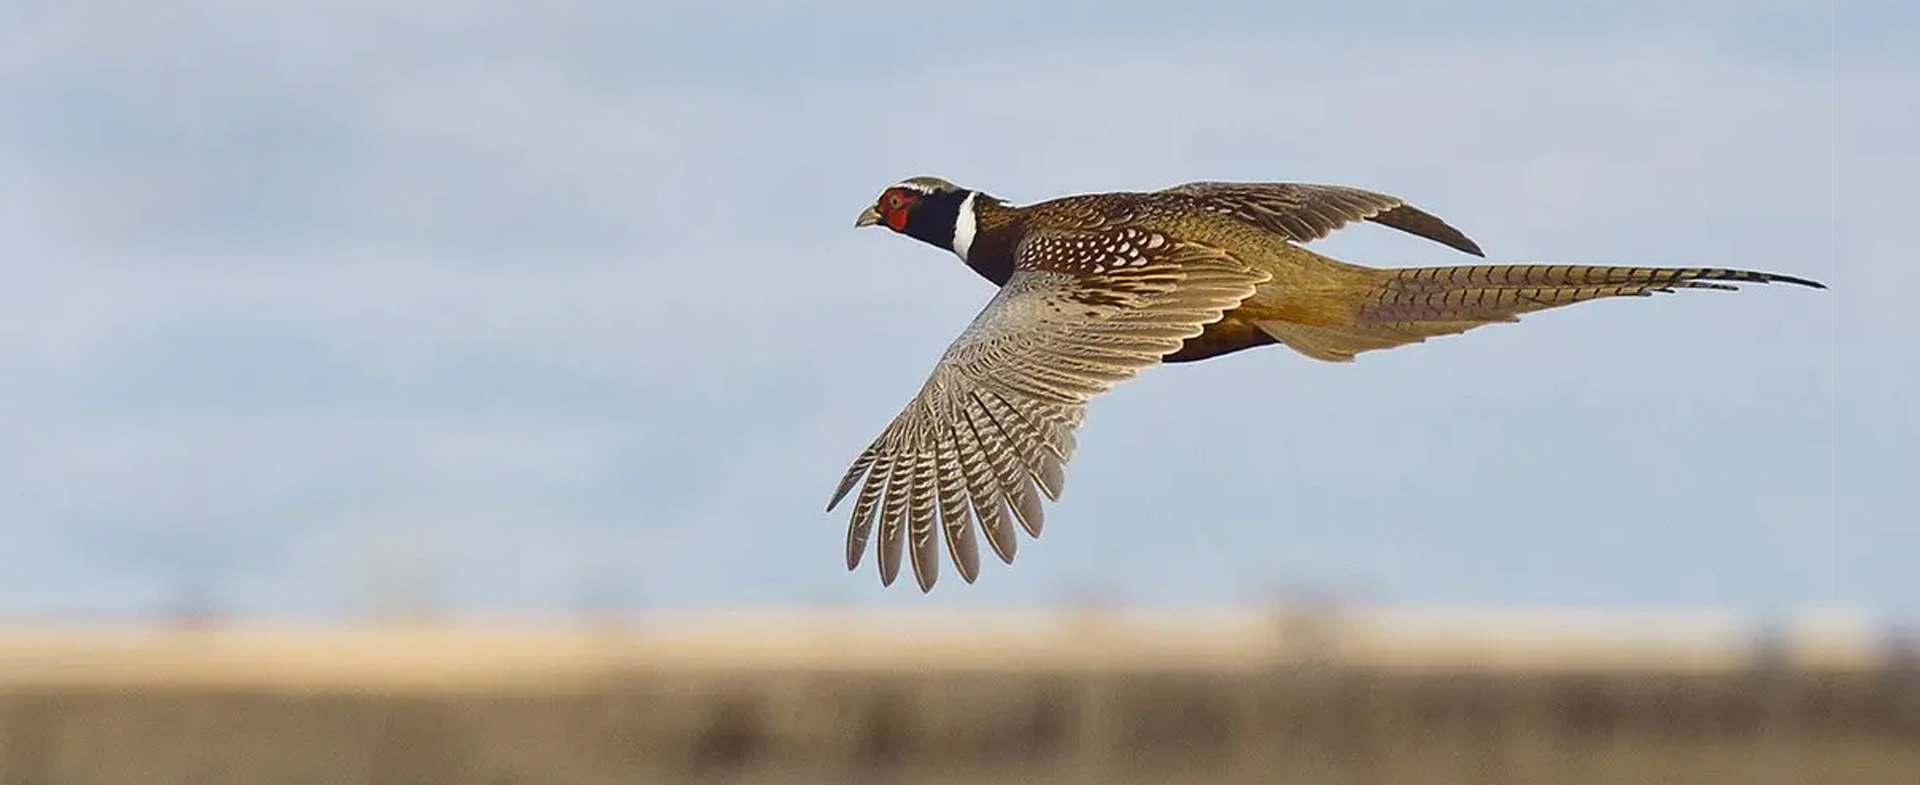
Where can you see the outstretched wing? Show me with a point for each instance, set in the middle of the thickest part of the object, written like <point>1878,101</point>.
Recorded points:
<point>993,427</point>
<point>1307,212</point>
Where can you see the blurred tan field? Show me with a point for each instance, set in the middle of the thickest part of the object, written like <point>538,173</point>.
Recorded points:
<point>823,696</point>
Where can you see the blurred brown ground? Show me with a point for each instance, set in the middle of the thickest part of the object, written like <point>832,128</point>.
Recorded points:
<point>821,696</point>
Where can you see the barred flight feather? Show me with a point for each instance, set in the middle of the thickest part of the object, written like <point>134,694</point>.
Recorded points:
<point>989,437</point>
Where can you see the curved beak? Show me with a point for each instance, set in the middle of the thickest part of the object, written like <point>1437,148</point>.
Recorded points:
<point>868,217</point>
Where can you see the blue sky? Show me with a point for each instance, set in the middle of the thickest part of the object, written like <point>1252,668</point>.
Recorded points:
<point>538,302</point>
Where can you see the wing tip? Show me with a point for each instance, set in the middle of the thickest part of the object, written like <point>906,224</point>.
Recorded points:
<point>861,466</point>
<point>1420,223</point>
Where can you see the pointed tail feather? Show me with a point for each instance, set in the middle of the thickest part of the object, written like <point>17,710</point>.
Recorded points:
<point>1501,292</point>
<point>1398,307</point>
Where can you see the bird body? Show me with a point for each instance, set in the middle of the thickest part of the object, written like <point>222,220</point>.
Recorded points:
<point>1094,288</point>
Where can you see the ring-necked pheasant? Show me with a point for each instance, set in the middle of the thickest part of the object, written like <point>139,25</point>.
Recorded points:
<point>1096,287</point>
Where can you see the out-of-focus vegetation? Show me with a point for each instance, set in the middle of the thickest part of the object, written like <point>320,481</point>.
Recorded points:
<point>965,698</point>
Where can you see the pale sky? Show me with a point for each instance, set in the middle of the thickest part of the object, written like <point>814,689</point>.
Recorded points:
<point>538,302</point>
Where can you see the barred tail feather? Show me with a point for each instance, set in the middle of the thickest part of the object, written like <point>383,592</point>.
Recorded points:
<point>1499,292</point>
<point>1398,307</point>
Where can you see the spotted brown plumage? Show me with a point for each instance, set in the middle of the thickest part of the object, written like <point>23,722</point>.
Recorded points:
<point>1304,212</point>
<point>1095,288</point>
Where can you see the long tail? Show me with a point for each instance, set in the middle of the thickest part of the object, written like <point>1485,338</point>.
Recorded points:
<point>1388,308</point>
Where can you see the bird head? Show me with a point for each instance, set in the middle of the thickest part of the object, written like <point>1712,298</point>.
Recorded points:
<point>925,208</point>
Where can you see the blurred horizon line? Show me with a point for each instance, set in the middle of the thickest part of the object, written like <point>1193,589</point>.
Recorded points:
<point>450,653</point>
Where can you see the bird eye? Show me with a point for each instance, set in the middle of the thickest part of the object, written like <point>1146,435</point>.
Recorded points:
<point>895,201</point>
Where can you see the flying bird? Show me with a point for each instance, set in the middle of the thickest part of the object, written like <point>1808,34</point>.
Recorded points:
<point>1093,288</point>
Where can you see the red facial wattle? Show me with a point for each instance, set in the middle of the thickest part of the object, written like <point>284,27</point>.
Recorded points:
<point>894,207</point>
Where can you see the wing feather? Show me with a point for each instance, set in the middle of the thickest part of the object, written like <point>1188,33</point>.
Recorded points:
<point>993,428</point>
<point>893,514</point>
<point>956,522</point>
<point>923,544</point>
<point>1306,212</point>
<point>983,487</point>
<point>866,505</point>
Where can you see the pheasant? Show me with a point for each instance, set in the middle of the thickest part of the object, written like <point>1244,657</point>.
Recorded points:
<point>1094,288</point>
